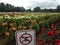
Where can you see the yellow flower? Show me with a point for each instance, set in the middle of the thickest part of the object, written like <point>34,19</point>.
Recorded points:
<point>41,22</point>
<point>4,24</point>
<point>13,29</point>
<point>7,33</point>
<point>25,27</point>
<point>30,27</point>
<point>19,27</point>
<point>11,24</point>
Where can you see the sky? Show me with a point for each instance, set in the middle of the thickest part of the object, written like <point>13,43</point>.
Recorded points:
<point>27,4</point>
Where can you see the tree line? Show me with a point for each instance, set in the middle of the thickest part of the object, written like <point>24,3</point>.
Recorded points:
<point>10,8</point>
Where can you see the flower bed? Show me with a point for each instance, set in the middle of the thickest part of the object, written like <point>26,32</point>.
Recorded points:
<point>47,27</point>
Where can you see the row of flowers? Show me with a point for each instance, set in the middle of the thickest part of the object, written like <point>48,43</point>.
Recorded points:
<point>45,27</point>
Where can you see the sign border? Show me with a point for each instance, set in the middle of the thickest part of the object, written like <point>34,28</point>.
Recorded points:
<point>27,43</point>
<point>25,31</point>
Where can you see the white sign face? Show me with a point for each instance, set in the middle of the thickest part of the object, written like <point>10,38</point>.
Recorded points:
<point>25,37</point>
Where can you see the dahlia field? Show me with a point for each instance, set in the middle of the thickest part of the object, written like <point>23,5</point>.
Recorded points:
<point>47,28</point>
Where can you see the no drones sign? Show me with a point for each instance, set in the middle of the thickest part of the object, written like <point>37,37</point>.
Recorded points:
<point>25,37</point>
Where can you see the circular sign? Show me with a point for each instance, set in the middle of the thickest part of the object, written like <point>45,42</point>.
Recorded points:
<point>25,38</point>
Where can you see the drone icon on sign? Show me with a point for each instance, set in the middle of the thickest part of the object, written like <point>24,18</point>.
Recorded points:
<point>25,39</point>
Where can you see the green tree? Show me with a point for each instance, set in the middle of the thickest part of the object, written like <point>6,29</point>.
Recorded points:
<point>58,8</point>
<point>16,9</point>
<point>2,7</point>
<point>28,10</point>
<point>36,9</point>
<point>22,9</point>
<point>9,7</point>
<point>45,10</point>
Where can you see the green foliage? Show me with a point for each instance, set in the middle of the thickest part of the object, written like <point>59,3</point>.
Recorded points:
<point>8,26</point>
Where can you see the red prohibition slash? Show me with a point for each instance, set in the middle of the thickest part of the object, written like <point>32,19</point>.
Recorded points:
<point>25,39</point>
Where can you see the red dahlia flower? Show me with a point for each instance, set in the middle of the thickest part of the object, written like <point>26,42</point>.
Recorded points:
<point>52,33</point>
<point>57,42</point>
<point>42,30</point>
<point>42,43</point>
<point>40,39</point>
